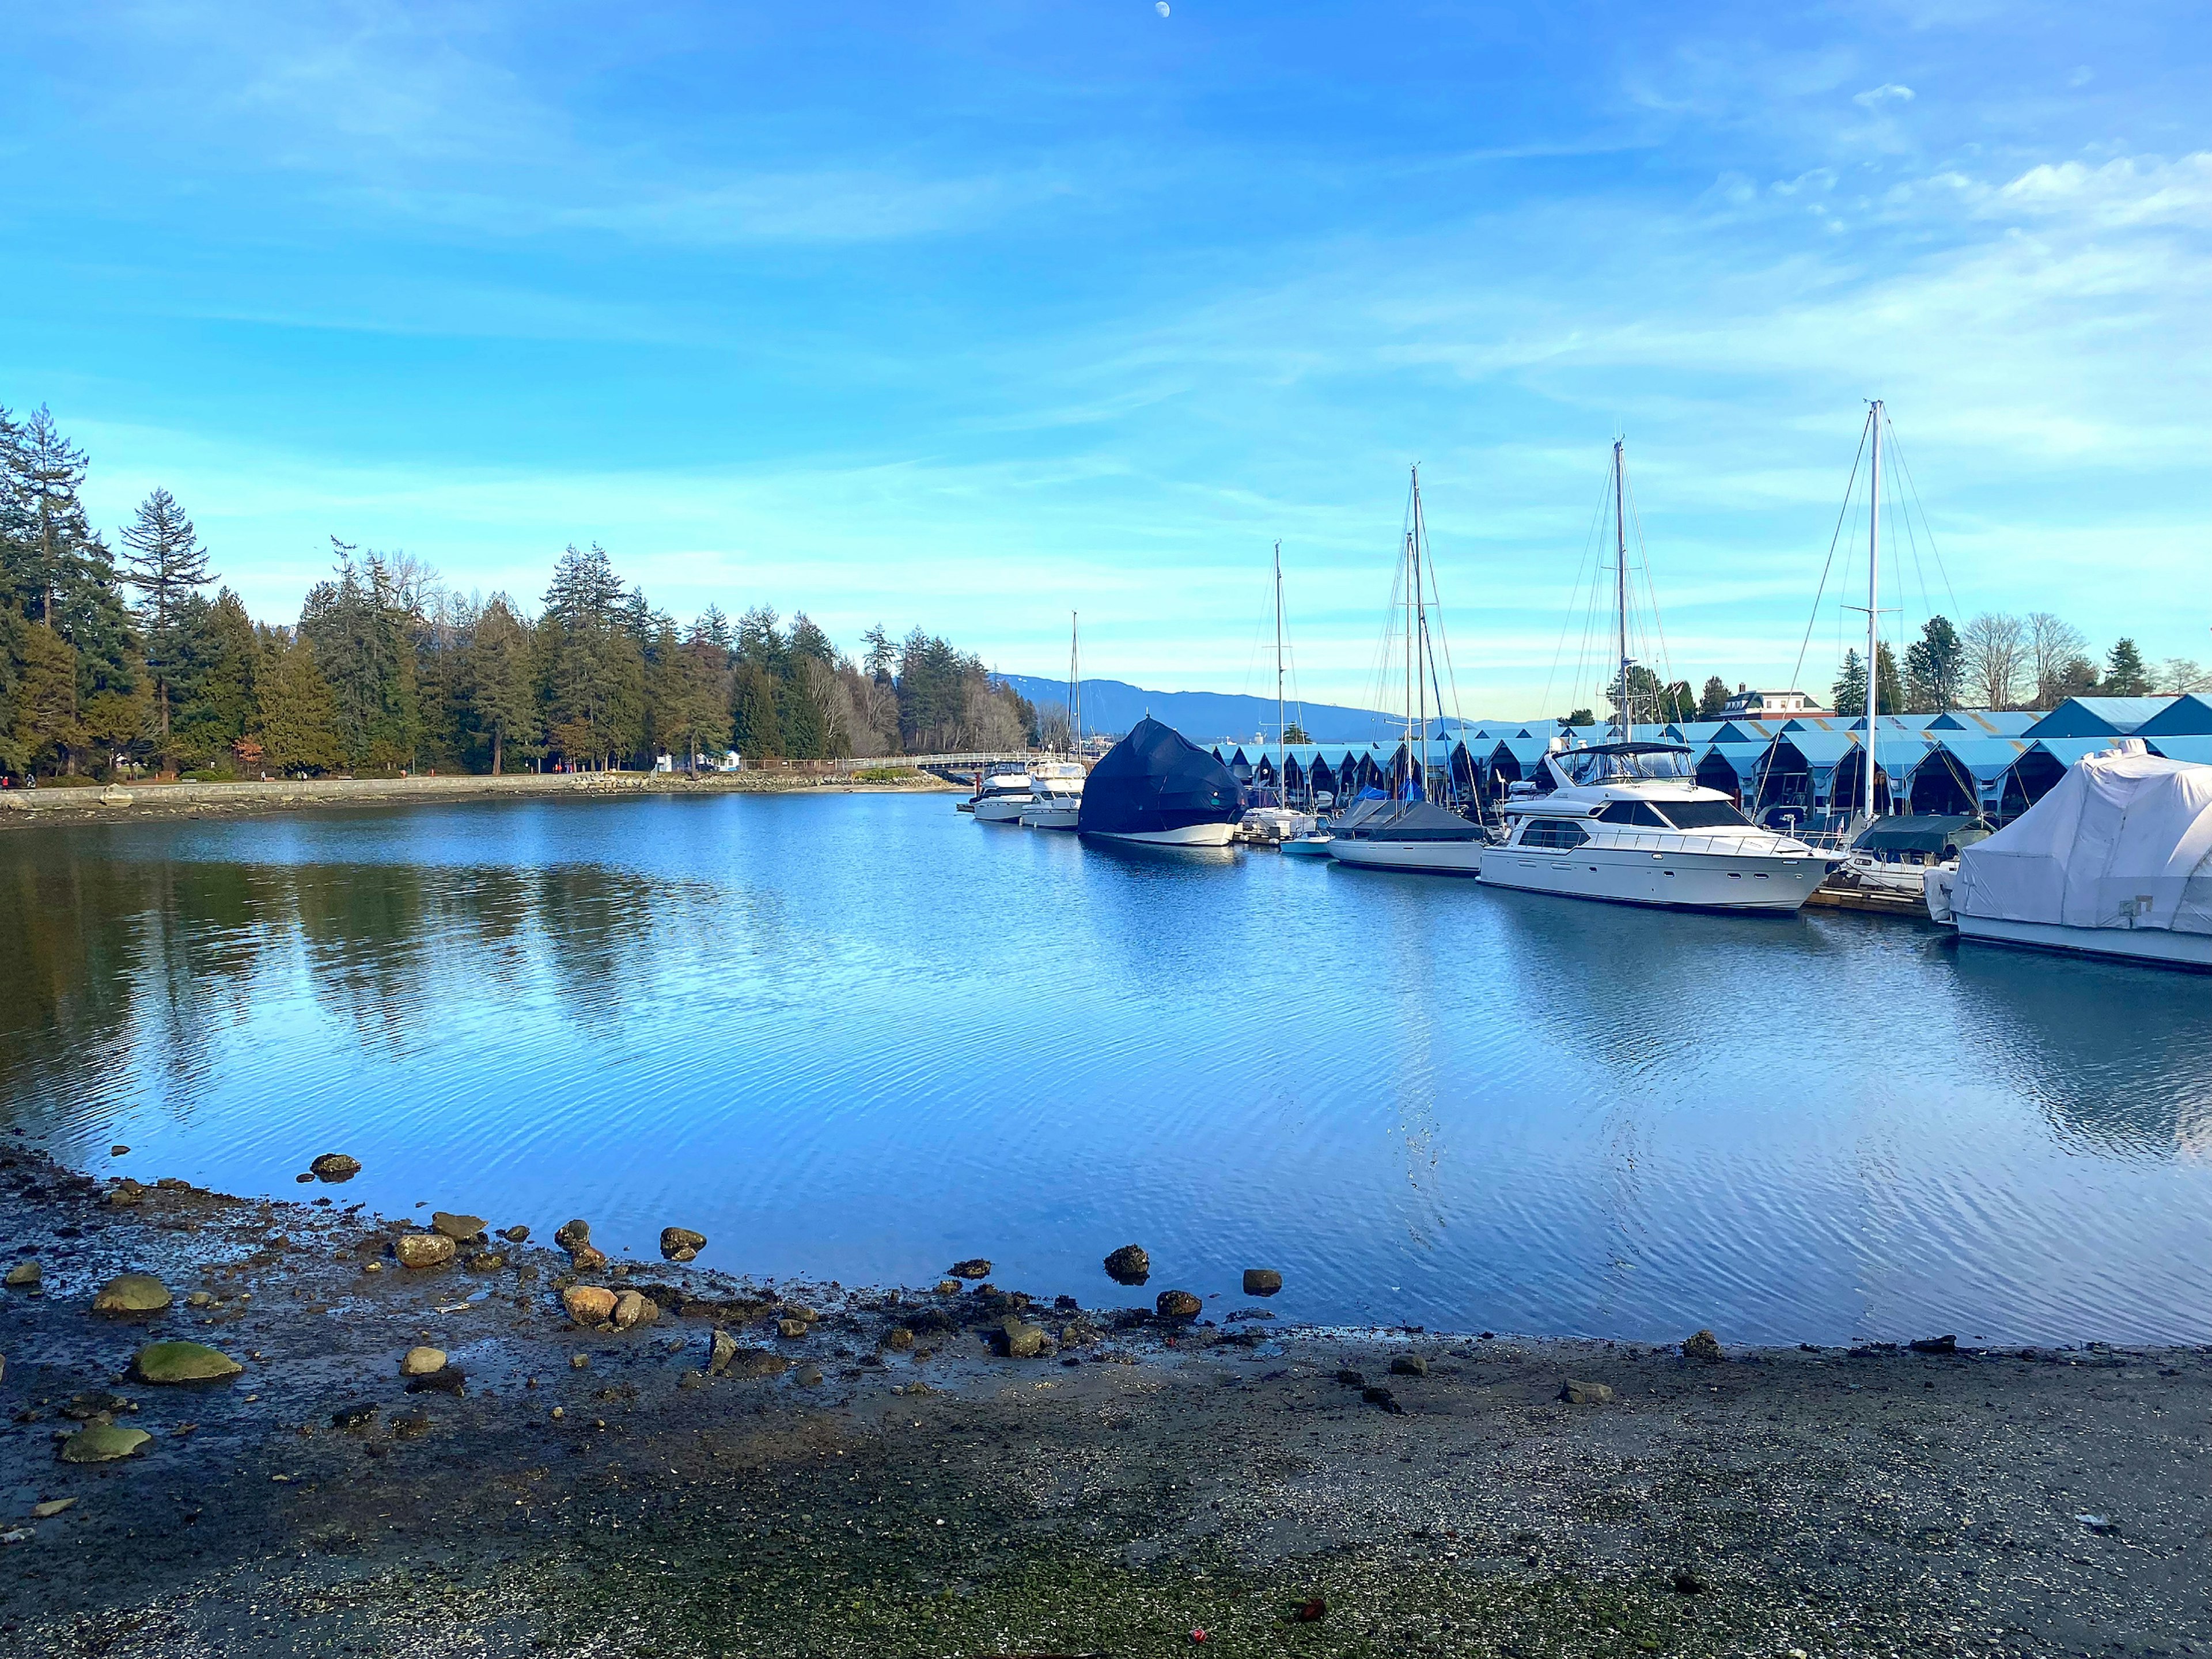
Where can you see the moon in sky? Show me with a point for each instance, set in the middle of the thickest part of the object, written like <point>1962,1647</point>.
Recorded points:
<point>1161,8</point>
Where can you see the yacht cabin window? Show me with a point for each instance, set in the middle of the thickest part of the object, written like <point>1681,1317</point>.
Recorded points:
<point>1704,815</point>
<point>1562,833</point>
<point>1633,813</point>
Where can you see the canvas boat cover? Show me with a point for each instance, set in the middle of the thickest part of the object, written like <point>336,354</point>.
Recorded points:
<point>1925,832</point>
<point>1156,780</point>
<point>2123,839</point>
<point>1413,820</point>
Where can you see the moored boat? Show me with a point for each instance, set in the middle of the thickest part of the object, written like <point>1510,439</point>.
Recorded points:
<point>2116,860</point>
<point>1628,822</point>
<point>1158,787</point>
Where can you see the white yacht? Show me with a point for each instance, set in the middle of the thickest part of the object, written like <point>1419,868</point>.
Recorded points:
<point>1629,823</point>
<point>1003,797</point>
<point>1056,795</point>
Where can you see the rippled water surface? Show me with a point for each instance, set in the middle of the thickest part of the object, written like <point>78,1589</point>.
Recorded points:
<point>858,1036</point>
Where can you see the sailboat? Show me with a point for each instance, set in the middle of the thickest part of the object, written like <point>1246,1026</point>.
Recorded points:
<point>1414,833</point>
<point>1628,821</point>
<point>1056,786</point>
<point>1272,824</point>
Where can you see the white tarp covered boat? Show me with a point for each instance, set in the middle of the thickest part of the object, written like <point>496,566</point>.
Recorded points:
<point>2116,862</point>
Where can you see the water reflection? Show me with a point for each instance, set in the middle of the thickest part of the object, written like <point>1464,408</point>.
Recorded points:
<point>862,1036</point>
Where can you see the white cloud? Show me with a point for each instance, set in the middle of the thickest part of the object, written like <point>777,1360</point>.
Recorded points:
<point>1888,93</point>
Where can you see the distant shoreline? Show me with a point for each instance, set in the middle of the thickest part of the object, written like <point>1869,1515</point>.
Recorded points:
<point>53,807</point>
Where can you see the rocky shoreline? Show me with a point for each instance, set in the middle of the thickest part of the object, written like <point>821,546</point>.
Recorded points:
<point>134,802</point>
<point>299,1443</point>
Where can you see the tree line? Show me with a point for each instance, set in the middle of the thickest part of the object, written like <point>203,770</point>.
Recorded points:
<point>134,656</point>
<point>1998,661</point>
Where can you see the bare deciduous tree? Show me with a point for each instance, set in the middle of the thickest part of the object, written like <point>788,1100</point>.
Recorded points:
<point>1997,651</point>
<point>2053,643</point>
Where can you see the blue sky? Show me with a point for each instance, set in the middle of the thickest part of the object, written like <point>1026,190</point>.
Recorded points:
<point>970,314</point>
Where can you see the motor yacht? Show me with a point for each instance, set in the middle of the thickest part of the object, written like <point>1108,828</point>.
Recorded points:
<point>1056,795</point>
<point>1003,797</point>
<point>1628,822</point>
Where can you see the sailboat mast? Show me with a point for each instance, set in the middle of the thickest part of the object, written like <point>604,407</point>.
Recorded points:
<point>1624,714</point>
<point>1873,600</point>
<point>1074,696</point>
<point>1421,633</point>
<point>1408,783</point>
<point>1282,732</point>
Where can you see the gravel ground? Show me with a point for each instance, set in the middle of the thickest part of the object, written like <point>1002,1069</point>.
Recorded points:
<point>840,1492</point>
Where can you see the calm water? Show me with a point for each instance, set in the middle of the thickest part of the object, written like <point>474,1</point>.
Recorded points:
<point>860,1036</point>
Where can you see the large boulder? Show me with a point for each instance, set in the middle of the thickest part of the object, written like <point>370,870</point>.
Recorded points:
<point>424,1249</point>
<point>1262,1281</point>
<point>680,1243</point>
<point>335,1166</point>
<point>24,1276</point>
<point>1024,1340</point>
<point>570,1233</point>
<point>461,1229</point>
<point>102,1443</point>
<point>633,1309</point>
<point>182,1362</point>
<point>720,1352</point>
<point>589,1304</point>
<point>132,1293</point>
<point>1129,1265</point>
<point>1177,1304</point>
<point>974,1267</point>
<point>420,1362</point>
<point>1584,1394</point>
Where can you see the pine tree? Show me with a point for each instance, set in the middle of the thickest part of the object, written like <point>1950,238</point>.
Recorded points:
<point>502,682</point>
<point>1712,699</point>
<point>1850,689</point>
<point>49,470</point>
<point>2124,673</point>
<point>45,727</point>
<point>167,567</point>
<point>215,706</point>
<point>297,721</point>
<point>1934,668</point>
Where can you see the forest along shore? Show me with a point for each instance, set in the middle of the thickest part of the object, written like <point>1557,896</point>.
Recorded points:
<point>21,808</point>
<point>510,1445</point>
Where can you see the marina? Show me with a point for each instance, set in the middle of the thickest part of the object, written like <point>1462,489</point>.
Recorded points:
<point>1427,1102</point>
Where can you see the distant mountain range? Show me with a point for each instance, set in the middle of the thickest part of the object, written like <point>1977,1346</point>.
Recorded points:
<point>1114,706</point>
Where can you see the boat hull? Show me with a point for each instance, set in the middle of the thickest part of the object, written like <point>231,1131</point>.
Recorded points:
<point>1426,858</point>
<point>1051,817</point>
<point>1676,881</point>
<point>1306,846</point>
<point>1006,811</point>
<point>2158,946</point>
<point>1188,834</point>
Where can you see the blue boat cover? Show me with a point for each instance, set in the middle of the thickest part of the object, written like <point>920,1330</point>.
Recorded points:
<point>1154,780</point>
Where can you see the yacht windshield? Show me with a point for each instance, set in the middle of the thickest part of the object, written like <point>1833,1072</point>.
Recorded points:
<point>1704,815</point>
<point>1585,767</point>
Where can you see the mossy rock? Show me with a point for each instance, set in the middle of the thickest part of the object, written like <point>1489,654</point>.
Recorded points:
<point>102,1443</point>
<point>183,1362</point>
<point>132,1293</point>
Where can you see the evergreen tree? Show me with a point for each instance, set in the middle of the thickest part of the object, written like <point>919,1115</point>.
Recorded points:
<point>1712,699</point>
<point>47,472</point>
<point>1934,668</point>
<point>2124,673</point>
<point>755,723</point>
<point>361,633</point>
<point>1850,689</point>
<point>595,668</point>
<point>503,683</point>
<point>44,728</point>
<point>167,566</point>
<point>217,694</point>
<point>297,721</point>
